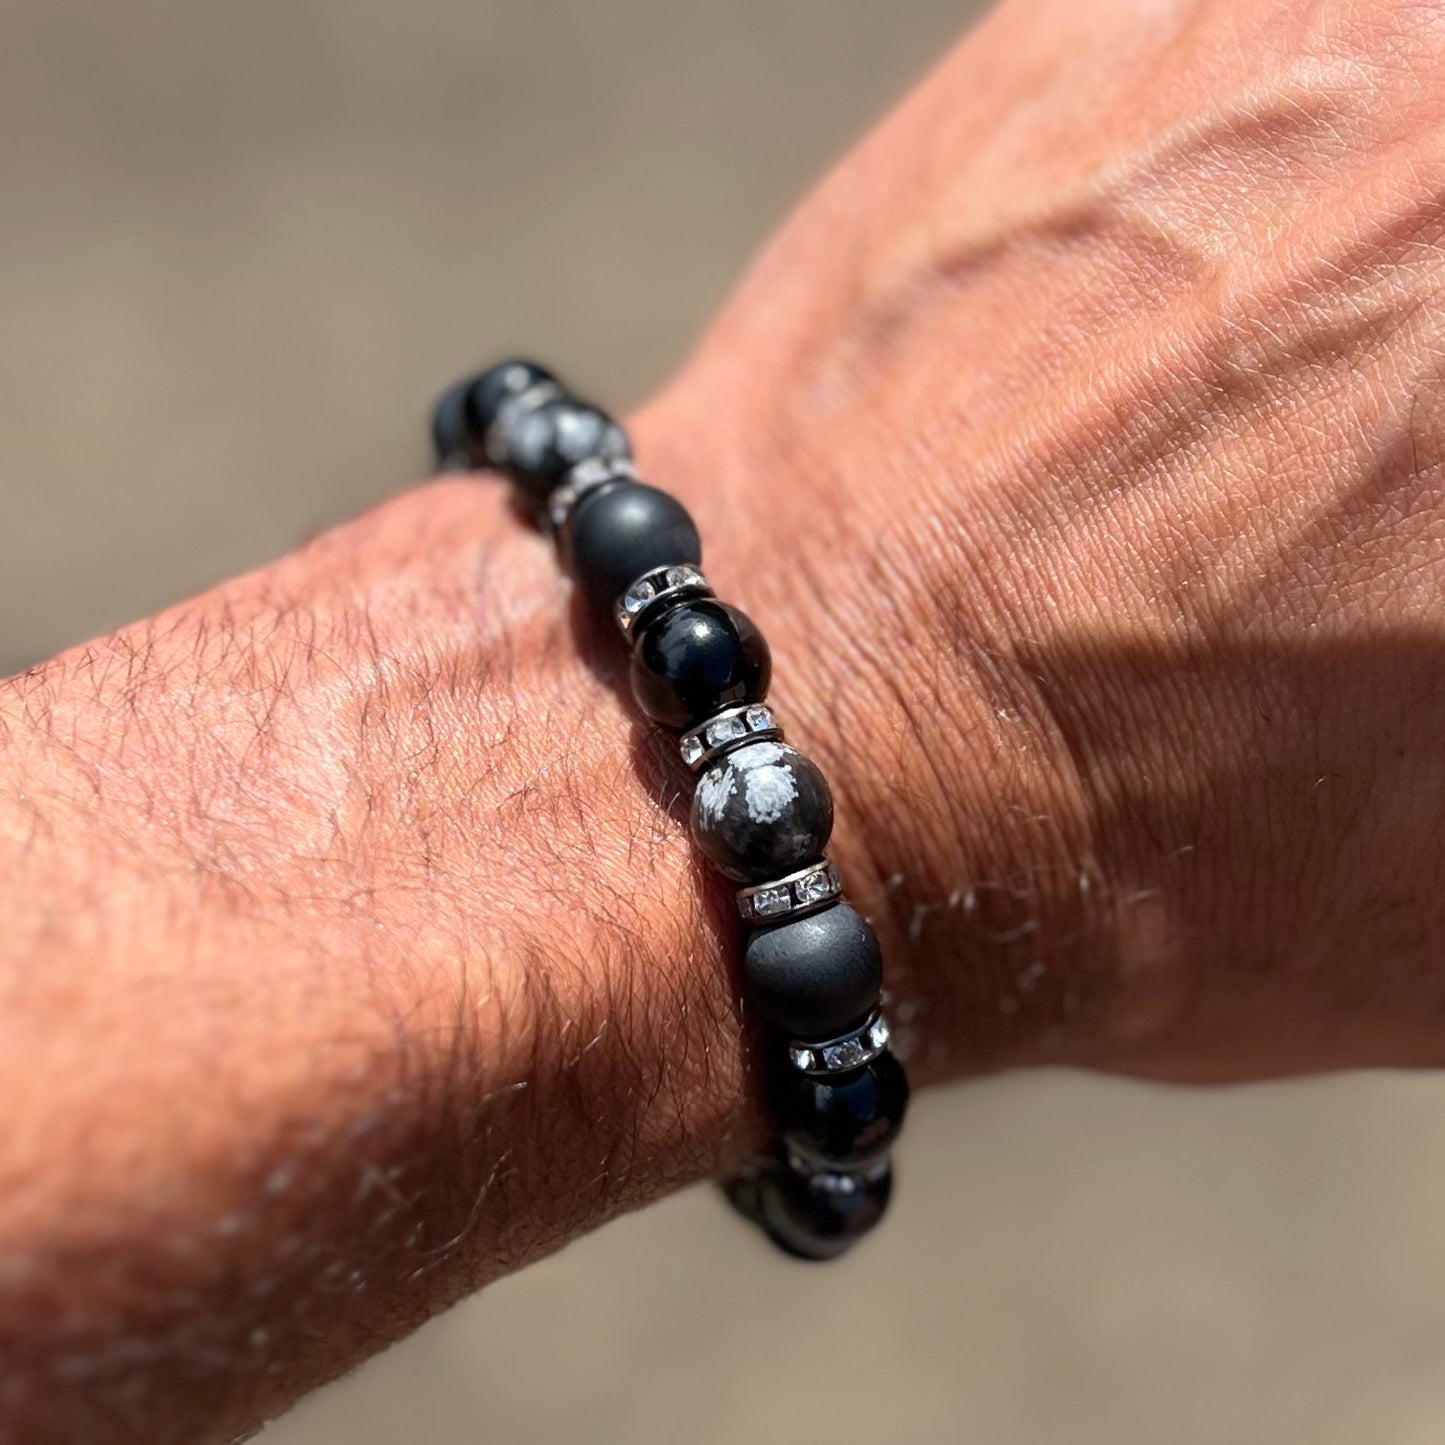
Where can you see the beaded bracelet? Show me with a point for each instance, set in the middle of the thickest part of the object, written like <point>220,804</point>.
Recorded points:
<point>761,812</point>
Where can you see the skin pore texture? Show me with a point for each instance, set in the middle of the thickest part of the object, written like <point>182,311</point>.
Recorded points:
<point>1076,445</point>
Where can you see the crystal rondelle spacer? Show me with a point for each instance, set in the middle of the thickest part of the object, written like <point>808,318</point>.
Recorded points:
<point>810,888</point>
<point>675,581</point>
<point>638,596</point>
<point>815,887</point>
<point>770,901</point>
<point>585,477</point>
<point>850,1051</point>
<point>725,730</point>
<point>737,724</point>
<point>839,1181</point>
<point>560,505</point>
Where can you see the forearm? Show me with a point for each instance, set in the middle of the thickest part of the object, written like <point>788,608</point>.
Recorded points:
<point>348,963</point>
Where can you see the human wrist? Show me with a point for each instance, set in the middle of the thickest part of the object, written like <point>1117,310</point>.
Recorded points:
<point>963,829</point>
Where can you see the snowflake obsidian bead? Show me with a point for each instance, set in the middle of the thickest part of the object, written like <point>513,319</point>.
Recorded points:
<point>494,388</point>
<point>761,811</point>
<point>468,410</point>
<point>538,445</point>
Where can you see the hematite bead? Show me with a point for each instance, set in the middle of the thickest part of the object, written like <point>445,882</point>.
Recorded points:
<point>843,1118</point>
<point>819,1215</point>
<point>761,811</point>
<point>618,532</point>
<point>542,444</point>
<point>696,658</point>
<point>817,976</point>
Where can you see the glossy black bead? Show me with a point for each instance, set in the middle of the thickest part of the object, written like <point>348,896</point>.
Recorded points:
<point>761,811</point>
<point>814,977</point>
<point>842,1118</point>
<point>543,443</point>
<point>619,532</point>
<point>817,1216</point>
<point>484,394</point>
<point>696,657</point>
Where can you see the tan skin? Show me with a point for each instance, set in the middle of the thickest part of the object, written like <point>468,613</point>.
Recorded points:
<point>1077,446</point>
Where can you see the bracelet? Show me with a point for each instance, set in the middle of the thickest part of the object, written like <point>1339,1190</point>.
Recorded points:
<point>761,812</point>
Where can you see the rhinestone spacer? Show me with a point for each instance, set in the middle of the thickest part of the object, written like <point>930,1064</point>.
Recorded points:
<point>802,892</point>
<point>848,1051</point>
<point>681,579</point>
<point>751,723</point>
<point>839,1179</point>
<point>585,477</point>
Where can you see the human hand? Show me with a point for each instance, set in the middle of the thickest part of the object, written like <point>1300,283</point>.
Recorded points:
<point>1081,438</point>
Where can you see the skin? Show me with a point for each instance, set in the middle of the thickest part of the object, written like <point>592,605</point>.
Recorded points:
<point>1077,445</point>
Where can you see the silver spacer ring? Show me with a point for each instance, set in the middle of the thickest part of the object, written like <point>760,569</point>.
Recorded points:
<point>837,1179</point>
<point>662,584</point>
<point>847,1051</point>
<point>802,892</point>
<point>494,444</point>
<point>585,477</point>
<point>752,722</point>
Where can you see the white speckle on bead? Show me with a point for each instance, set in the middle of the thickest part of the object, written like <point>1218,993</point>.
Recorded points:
<point>757,755</point>
<point>714,789</point>
<point>769,790</point>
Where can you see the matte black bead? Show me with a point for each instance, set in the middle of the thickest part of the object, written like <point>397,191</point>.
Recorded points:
<point>485,394</point>
<point>695,658</point>
<point>842,1118</point>
<point>761,811</point>
<point>619,532</point>
<point>815,977</point>
<point>544,443</point>
<point>818,1216</point>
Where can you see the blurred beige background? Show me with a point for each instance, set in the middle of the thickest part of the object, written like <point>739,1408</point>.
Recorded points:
<point>242,244</point>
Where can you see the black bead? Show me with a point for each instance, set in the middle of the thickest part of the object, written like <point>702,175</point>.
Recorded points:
<point>818,1216</point>
<point>465,411</point>
<point>697,657</point>
<point>815,977</point>
<point>450,435</point>
<point>485,393</point>
<point>761,811</point>
<point>619,532</point>
<point>542,444</point>
<point>842,1118</point>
